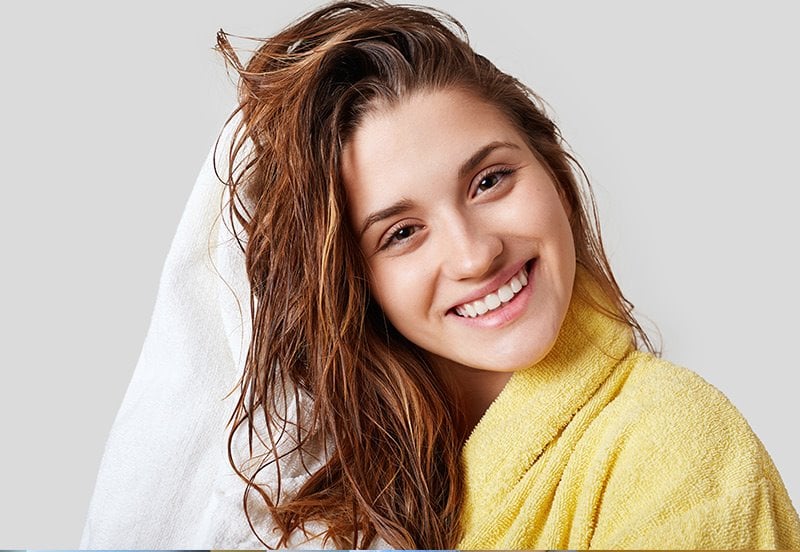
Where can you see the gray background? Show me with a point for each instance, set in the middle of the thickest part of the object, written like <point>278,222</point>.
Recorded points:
<point>685,116</point>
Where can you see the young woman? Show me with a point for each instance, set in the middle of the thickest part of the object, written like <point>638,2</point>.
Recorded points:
<point>440,354</point>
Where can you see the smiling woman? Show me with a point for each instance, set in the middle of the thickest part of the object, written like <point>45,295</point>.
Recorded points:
<point>440,355</point>
<point>473,259</point>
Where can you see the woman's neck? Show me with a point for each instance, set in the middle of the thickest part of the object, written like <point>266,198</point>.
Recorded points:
<point>474,389</point>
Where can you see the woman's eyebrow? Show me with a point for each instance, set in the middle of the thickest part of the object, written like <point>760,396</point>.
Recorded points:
<point>469,165</point>
<point>390,211</point>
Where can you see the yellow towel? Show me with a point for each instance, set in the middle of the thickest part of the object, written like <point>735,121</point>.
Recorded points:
<point>602,446</point>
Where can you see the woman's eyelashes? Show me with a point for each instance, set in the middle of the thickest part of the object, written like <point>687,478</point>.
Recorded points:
<point>399,234</point>
<point>490,179</point>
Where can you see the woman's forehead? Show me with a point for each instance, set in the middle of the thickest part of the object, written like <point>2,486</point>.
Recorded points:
<point>428,130</point>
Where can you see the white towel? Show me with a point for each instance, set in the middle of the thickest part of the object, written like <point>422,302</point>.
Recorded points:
<point>165,481</point>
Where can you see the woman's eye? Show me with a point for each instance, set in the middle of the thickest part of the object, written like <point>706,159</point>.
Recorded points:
<point>492,179</point>
<point>403,233</point>
<point>399,235</point>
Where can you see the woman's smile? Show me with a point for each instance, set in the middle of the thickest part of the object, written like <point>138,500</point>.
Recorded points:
<point>501,306</point>
<point>467,240</point>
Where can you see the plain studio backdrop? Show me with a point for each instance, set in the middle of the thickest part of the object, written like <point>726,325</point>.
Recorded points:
<point>684,115</point>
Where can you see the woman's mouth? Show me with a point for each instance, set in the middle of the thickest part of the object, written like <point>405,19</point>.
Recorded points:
<point>497,298</point>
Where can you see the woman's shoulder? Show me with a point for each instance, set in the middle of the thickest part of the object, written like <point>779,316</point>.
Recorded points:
<point>666,421</point>
<point>672,404</point>
<point>665,413</point>
<point>683,456</point>
<point>674,413</point>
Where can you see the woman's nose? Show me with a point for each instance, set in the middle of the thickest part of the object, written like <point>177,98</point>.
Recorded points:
<point>469,249</point>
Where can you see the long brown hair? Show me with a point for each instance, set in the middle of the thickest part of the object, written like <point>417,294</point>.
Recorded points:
<point>390,430</point>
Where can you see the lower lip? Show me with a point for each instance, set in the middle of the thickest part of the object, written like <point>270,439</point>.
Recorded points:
<point>507,312</point>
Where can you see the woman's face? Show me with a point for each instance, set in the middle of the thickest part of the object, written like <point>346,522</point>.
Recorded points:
<point>468,244</point>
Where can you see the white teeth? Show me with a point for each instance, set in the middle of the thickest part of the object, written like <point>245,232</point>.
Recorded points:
<point>492,301</point>
<point>505,294</point>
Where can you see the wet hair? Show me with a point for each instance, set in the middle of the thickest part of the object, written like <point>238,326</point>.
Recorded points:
<point>390,430</point>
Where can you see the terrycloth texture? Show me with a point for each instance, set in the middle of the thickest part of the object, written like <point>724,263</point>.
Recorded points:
<point>601,446</point>
<point>165,481</point>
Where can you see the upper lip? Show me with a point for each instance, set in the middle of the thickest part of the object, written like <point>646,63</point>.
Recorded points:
<point>492,285</point>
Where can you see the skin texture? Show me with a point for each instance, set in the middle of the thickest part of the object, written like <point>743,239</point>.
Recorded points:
<point>462,205</point>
